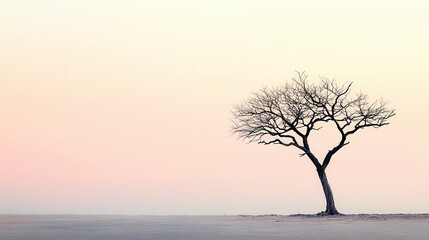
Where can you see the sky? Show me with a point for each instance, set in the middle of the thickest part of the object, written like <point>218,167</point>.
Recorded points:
<point>124,107</point>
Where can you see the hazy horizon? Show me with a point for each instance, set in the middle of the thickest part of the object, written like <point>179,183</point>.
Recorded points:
<point>124,107</point>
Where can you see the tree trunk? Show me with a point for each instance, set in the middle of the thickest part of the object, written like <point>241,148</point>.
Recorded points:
<point>330,204</point>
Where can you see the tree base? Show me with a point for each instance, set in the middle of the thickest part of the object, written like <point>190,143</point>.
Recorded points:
<point>329,213</point>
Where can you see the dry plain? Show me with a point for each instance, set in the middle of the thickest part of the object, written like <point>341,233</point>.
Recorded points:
<point>267,227</point>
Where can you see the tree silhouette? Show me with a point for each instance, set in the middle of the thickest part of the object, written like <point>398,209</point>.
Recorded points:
<point>287,115</point>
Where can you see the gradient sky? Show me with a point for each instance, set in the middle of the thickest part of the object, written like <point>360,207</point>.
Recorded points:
<point>123,107</point>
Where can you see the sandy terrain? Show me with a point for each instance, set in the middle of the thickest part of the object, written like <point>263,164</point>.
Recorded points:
<point>38,227</point>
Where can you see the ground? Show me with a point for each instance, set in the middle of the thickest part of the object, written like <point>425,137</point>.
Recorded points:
<point>265,227</point>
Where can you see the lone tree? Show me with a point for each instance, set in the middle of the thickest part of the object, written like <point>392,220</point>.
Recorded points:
<point>289,114</point>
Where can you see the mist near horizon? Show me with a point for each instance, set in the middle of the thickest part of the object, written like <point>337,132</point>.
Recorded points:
<point>125,107</point>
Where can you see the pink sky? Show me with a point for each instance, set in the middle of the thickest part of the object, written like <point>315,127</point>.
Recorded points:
<point>125,108</point>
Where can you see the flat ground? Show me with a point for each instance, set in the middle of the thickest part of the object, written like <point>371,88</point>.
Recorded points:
<point>58,227</point>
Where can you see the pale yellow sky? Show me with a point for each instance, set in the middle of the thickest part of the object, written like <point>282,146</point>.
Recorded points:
<point>123,107</point>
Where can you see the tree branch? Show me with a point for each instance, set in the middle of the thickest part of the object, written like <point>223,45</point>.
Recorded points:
<point>287,115</point>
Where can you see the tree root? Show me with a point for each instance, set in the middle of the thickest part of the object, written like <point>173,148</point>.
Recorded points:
<point>329,213</point>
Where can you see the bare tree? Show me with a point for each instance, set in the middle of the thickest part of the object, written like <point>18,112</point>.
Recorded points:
<point>287,115</point>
